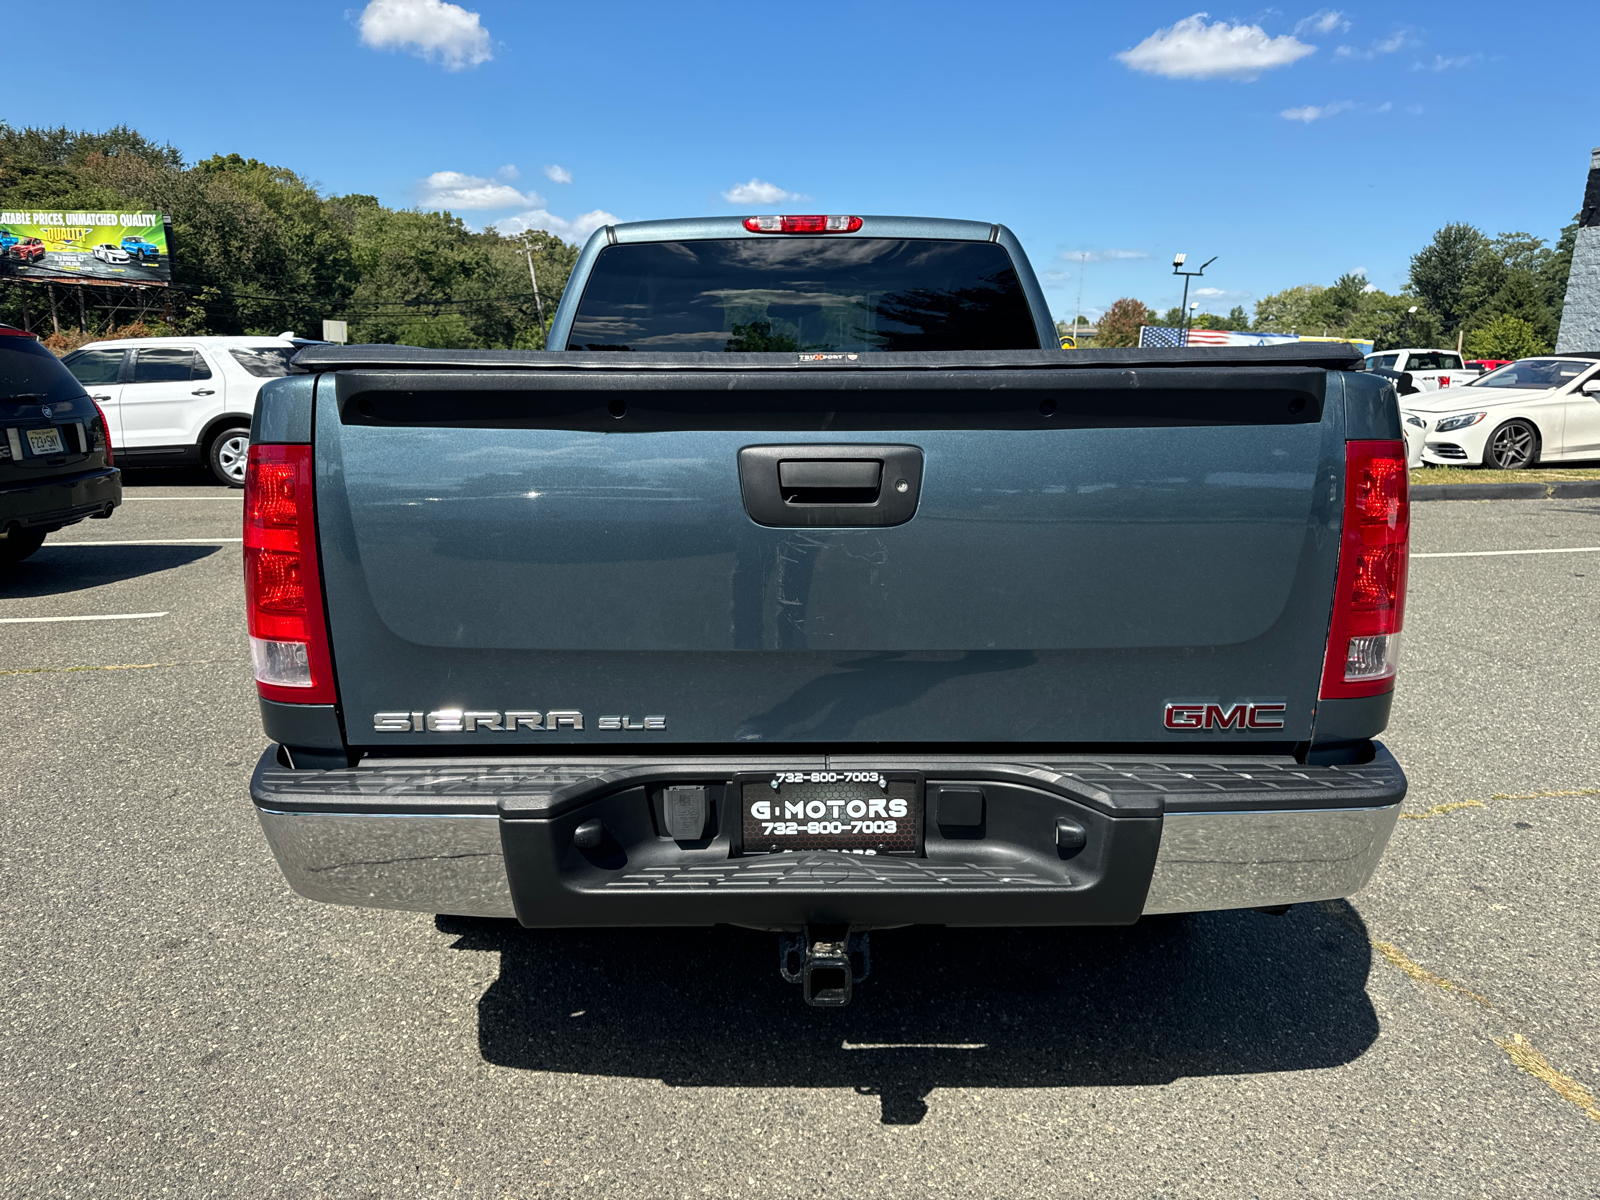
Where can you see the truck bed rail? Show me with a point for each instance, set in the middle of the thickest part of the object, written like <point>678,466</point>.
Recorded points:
<point>1331,356</point>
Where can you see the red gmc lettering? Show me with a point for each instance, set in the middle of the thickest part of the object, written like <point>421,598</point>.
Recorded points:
<point>1185,716</point>
<point>1267,716</point>
<point>1215,716</point>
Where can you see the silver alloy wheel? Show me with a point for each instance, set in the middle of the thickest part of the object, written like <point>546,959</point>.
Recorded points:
<point>231,455</point>
<point>1512,446</point>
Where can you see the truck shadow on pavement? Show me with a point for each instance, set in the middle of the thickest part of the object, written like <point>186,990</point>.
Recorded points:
<point>59,569</point>
<point>1207,994</point>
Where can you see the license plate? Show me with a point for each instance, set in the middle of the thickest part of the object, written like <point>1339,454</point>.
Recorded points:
<point>858,812</point>
<point>45,441</point>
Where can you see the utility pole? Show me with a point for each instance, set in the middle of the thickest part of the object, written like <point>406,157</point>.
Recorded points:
<point>1077,315</point>
<point>1177,269</point>
<point>538,300</point>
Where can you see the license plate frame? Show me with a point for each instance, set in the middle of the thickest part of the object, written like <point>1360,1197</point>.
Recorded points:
<point>42,443</point>
<point>830,787</point>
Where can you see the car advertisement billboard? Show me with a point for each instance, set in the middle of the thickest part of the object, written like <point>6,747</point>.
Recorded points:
<point>97,247</point>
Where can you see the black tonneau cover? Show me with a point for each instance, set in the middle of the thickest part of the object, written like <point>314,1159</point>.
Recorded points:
<point>1331,356</point>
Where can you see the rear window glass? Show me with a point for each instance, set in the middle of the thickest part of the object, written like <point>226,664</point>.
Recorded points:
<point>27,369</point>
<point>1535,373</point>
<point>95,368</point>
<point>270,362</point>
<point>789,294</point>
<point>168,366</point>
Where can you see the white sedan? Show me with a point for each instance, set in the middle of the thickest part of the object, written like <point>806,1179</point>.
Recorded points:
<point>109,252</point>
<point>1534,410</point>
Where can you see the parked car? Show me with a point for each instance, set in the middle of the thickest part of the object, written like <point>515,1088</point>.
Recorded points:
<point>824,638</point>
<point>1411,425</point>
<point>1544,409</point>
<point>56,460</point>
<point>29,249</point>
<point>8,240</point>
<point>109,252</point>
<point>1429,369</point>
<point>174,401</point>
<point>137,247</point>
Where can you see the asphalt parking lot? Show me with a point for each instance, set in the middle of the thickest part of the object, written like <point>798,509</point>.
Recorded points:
<point>176,1022</point>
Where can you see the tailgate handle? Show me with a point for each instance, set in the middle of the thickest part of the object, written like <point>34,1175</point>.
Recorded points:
<point>830,485</point>
<point>830,481</point>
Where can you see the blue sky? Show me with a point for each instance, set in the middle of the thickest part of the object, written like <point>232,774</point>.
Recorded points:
<point>1292,143</point>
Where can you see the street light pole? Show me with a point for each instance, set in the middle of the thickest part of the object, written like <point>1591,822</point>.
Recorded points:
<point>1177,269</point>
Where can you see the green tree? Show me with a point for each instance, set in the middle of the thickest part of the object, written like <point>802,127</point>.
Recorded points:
<point>1238,318</point>
<point>1558,266</point>
<point>1388,322</point>
<point>1119,326</point>
<point>1287,311</point>
<point>1505,336</point>
<point>1443,269</point>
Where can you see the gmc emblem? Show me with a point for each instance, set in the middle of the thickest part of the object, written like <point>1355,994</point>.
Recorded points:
<point>1214,716</point>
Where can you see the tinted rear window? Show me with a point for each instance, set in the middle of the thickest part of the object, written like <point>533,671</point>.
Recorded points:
<point>169,365</point>
<point>28,369</point>
<point>852,294</point>
<point>96,367</point>
<point>269,362</point>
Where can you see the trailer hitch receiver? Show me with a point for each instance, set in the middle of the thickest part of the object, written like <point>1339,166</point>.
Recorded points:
<point>827,961</point>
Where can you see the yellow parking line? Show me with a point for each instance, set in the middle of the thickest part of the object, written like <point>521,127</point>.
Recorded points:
<point>1441,810</point>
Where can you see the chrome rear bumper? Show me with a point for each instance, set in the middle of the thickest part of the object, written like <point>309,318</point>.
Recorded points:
<point>429,839</point>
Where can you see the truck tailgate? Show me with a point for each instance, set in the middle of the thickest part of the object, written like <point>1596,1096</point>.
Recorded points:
<point>1084,547</point>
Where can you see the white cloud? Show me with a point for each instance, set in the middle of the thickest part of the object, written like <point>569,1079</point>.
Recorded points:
<point>1095,256</point>
<point>1398,40</point>
<point>1441,63</point>
<point>1316,112</point>
<point>1191,49</point>
<point>427,28</point>
<point>462,193</point>
<point>758,192</point>
<point>557,174</point>
<point>574,230</point>
<point>1384,107</point>
<point>1323,21</point>
<point>1211,293</point>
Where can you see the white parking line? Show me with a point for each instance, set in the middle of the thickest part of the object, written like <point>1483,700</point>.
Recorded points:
<point>1497,553</point>
<point>189,499</point>
<point>107,617</point>
<point>150,542</point>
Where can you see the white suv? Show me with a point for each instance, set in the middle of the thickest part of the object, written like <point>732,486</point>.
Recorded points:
<point>172,401</point>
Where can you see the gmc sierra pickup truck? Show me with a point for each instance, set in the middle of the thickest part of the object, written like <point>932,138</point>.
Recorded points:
<point>807,586</point>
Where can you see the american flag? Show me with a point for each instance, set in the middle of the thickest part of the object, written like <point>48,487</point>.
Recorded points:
<point>1160,335</point>
<point>1209,337</point>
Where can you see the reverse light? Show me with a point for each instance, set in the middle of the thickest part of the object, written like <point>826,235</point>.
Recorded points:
<point>1460,422</point>
<point>1374,552</point>
<point>814,224</point>
<point>282,584</point>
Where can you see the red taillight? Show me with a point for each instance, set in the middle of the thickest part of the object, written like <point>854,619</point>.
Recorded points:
<point>282,586</point>
<point>1369,605</point>
<point>105,432</point>
<point>816,224</point>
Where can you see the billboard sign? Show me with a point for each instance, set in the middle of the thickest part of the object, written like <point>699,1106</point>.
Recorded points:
<point>98,247</point>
